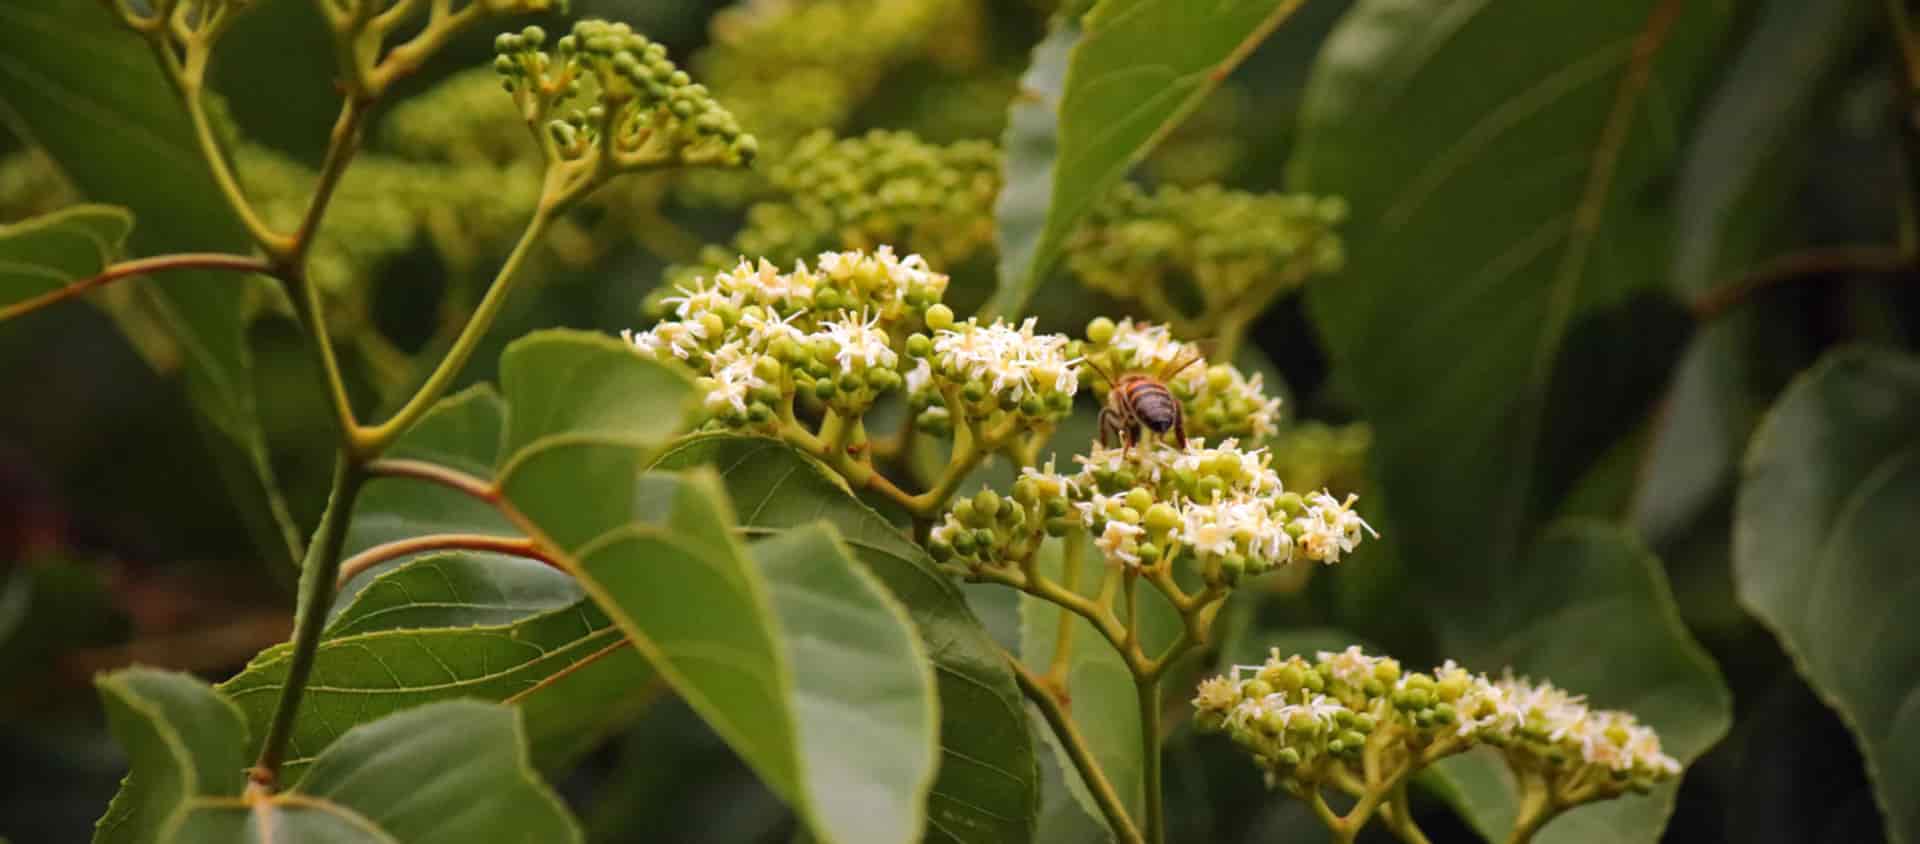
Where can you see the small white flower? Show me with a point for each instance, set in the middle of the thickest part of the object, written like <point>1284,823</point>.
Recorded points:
<point>1351,666</point>
<point>859,339</point>
<point>1118,542</point>
<point>920,377</point>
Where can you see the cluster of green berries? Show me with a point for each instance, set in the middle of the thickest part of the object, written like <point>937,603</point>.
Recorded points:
<point>1299,718</point>
<point>1219,512</point>
<point>1216,243</point>
<point>1219,400</point>
<point>882,187</point>
<point>646,112</point>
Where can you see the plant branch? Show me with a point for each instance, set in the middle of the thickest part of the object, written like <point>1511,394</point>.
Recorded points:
<point>274,243</point>
<point>1077,751</point>
<point>141,266</point>
<point>468,340</point>
<point>317,573</point>
<point>435,473</point>
<point>1879,260</point>
<point>1147,691</point>
<point>359,563</point>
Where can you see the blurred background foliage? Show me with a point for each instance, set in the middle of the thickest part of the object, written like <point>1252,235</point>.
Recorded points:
<point>880,121</point>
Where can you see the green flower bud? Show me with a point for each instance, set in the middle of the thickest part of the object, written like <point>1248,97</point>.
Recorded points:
<point>1255,689</point>
<point>1139,499</point>
<point>1160,516</point>
<point>918,345</point>
<point>1352,738</point>
<point>767,368</point>
<point>939,317</point>
<point>1100,331</point>
<point>1288,757</point>
<point>987,504</point>
<point>1387,670</point>
<point>939,551</point>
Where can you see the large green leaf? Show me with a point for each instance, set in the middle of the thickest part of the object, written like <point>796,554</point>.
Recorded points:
<point>1590,610</point>
<point>183,741</point>
<point>448,772</point>
<point>49,251</point>
<point>825,601</point>
<point>657,553</point>
<point>455,589</point>
<point>1497,207</point>
<point>987,786</point>
<point>361,677</point>
<point>1824,554</point>
<point>1737,190</point>
<point>1134,71</point>
<point>89,93</point>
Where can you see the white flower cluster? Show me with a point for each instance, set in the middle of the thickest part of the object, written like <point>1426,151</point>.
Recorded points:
<point>1221,509</point>
<point>760,335</point>
<point>994,367</point>
<point>1220,400</point>
<point>1294,715</point>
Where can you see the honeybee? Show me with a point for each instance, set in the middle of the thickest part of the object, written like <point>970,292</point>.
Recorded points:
<point>1137,400</point>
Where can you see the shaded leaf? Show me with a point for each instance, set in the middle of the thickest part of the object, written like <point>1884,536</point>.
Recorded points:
<point>986,790</point>
<point>183,742</point>
<point>89,93</point>
<point>1591,612</point>
<point>448,772</point>
<point>50,251</point>
<point>1823,553</point>
<point>1134,71</point>
<point>657,553</point>
<point>1493,213</point>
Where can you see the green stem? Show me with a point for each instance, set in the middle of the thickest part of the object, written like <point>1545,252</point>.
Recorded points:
<point>1536,808</point>
<point>1078,753</point>
<point>1148,690</point>
<point>466,343</point>
<point>137,267</point>
<point>1398,813</point>
<point>317,573</point>
<point>276,244</point>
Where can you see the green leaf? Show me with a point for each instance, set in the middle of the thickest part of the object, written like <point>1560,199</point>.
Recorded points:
<point>987,789</point>
<point>464,431</point>
<point>1496,210</point>
<point>657,554</point>
<point>1734,202</point>
<point>50,251</point>
<point>455,589</point>
<point>88,92</point>
<point>1824,541</point>
<point>1134,71</point>
<point>361,677</point>
<point>448,772</point>
<point>837,614</point>
<point>1591,611</point>
<point>183,742</point>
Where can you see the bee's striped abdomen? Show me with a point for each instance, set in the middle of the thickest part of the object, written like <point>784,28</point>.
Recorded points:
<point>1152,404</point>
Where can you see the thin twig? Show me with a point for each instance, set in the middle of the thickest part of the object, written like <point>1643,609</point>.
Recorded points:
<point>138,267</point>
<point>1812,263</point>
<point>1078,753</point>
<point>359,563</point>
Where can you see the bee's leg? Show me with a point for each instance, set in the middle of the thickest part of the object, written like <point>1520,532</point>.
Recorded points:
<point>1109,429</point>
<point>1179,426</point>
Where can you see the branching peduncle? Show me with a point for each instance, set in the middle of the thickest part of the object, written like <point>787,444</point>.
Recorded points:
<point>1054,712</point>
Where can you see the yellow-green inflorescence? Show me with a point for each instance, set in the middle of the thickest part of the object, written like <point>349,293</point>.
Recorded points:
<point>645,111</point>
<point>1201,254</point>
<point>1218,511</point>
<point>1309,722</point>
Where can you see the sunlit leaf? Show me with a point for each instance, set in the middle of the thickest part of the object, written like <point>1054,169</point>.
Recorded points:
<point>1134,70</point>
<point>1824,554</point>
<point>657,552</point>
<point>987,786</point>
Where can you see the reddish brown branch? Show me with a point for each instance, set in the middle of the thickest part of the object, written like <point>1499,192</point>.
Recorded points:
<point>353,566</point>
<point>434,473</point>
<point>142,266</point>
<point>1878,260</point>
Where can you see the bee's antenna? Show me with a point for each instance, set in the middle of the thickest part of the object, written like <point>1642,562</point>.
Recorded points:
<point>1193,357</point>
<point>1101,371</point>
